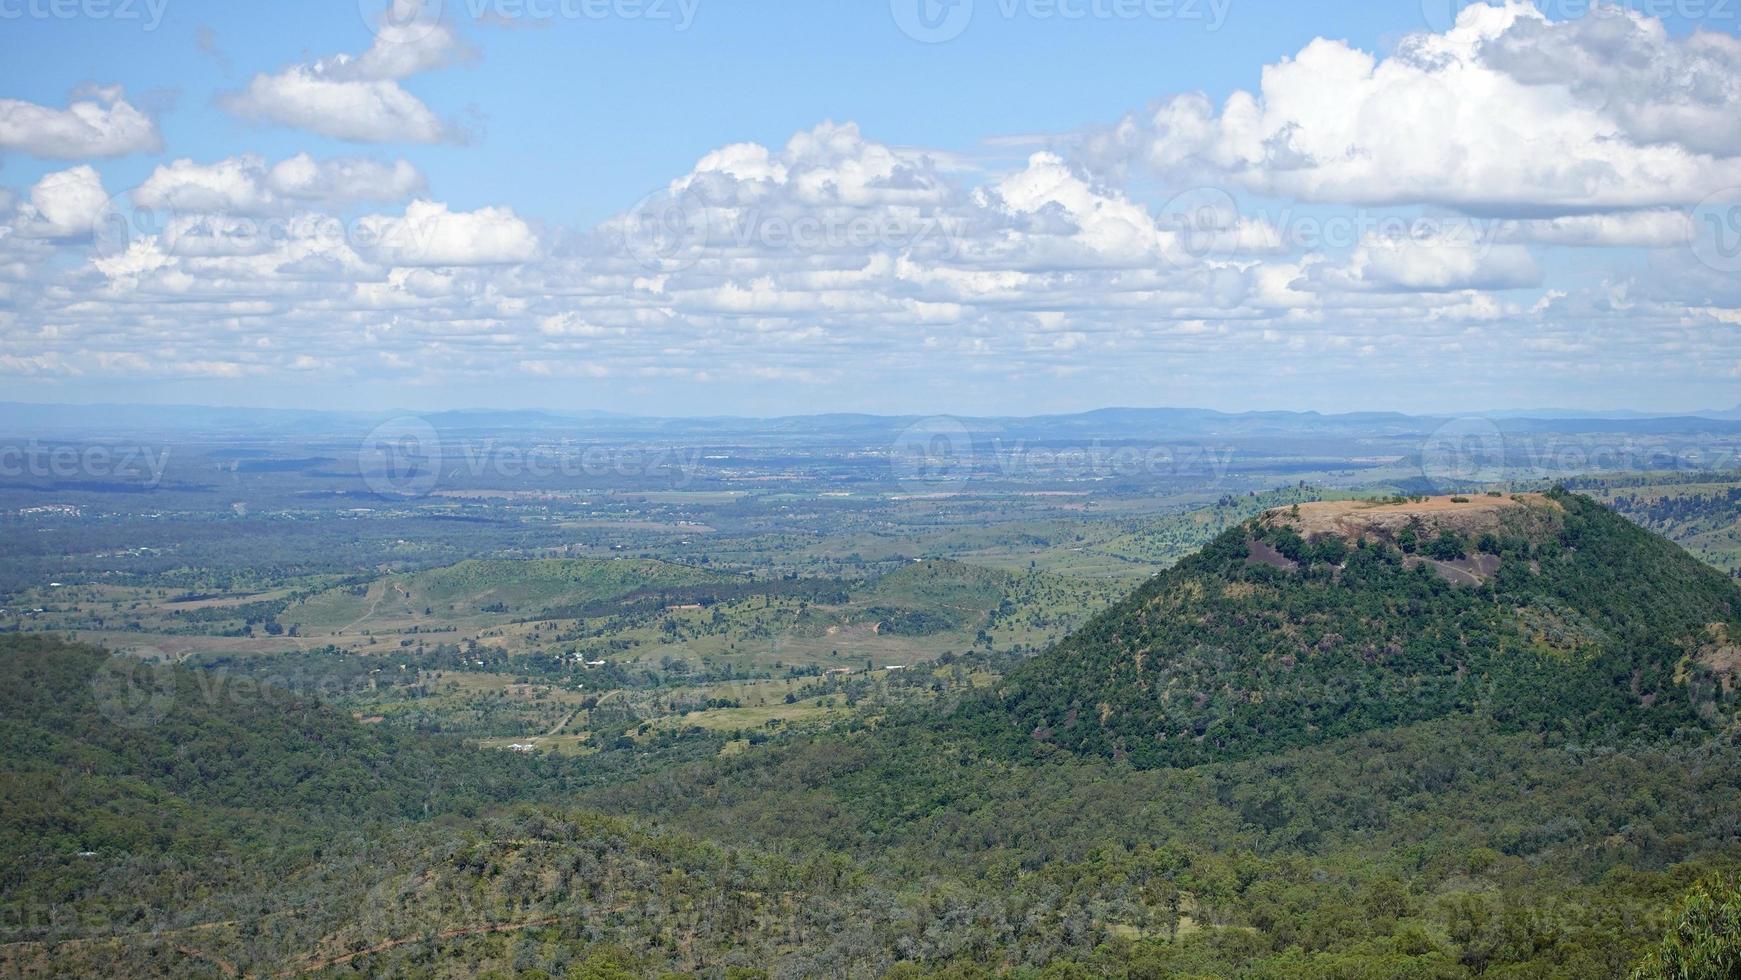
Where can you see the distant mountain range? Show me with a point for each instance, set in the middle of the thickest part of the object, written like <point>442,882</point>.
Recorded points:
<point>1572,413</point>
<point>23,420</point>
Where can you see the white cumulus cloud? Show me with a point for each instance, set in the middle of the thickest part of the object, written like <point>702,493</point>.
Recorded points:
<point>98,122</point>
<point>1434,265</point>
<point>66,204</point>
<point>1507,113</point>
<point>247,185</point>
<point>358,98</point>
<point>428,234</point>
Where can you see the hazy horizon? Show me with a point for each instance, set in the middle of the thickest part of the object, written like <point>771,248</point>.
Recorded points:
<point>1544,411</point>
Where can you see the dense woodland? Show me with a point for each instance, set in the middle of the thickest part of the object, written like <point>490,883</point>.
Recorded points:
<point>1368,770</point>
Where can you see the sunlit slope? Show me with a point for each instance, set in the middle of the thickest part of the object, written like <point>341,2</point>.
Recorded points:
<point>488,587</point>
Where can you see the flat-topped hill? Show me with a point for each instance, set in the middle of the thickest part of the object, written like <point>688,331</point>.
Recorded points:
<point>1529,515</point>
<point>1537,612</point>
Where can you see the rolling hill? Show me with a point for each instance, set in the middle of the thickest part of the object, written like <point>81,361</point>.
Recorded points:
<point>159,821</point>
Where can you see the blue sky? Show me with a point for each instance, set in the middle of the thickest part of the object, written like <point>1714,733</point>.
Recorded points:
<point>1369,205</point>
<point>587,113</point>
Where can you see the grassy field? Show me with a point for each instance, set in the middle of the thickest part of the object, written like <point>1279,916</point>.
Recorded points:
<point>481,588</point>
<point>805,713</point>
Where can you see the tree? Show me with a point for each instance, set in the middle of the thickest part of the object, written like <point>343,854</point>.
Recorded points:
<point>1330,549</point>
<point>1704,942</point>
<point>1448,546</point>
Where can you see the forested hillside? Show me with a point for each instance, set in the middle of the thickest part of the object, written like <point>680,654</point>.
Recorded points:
<point>1552,615</point>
